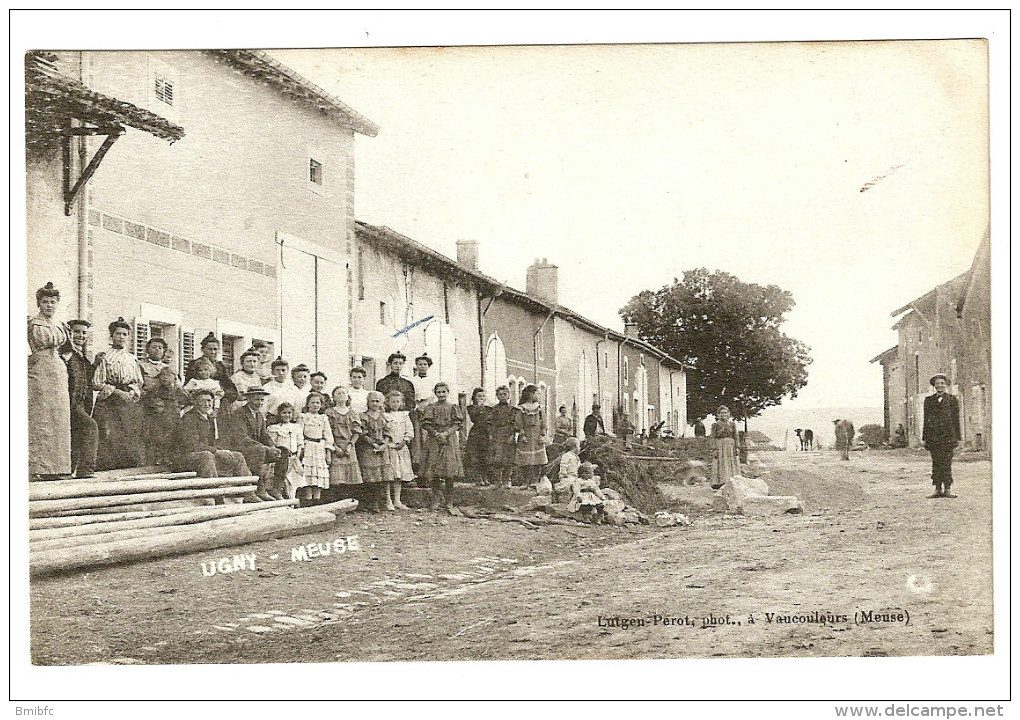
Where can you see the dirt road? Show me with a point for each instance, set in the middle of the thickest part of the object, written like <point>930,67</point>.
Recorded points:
<point>421,586</point>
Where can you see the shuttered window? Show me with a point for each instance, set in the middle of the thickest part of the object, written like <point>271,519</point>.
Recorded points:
<point>164,90</point>
<point>187,347</point>
<point>141,337</point>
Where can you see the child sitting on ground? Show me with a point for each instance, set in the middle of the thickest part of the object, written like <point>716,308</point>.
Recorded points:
<point>588,499</point>
<point>570,463</point>
<point>289,439</point>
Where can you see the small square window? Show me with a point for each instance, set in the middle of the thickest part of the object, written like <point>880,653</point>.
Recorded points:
<point>314,171</point>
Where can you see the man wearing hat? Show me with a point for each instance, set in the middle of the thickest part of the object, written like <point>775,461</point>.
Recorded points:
<point>941,434</point>
<point>594,424</point>
<point>84,431</point>
<point>247,435</point>
<point>394,381</point>
<point>198,443</point>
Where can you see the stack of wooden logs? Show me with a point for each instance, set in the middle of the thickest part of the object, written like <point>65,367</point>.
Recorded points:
<point>120,517</point>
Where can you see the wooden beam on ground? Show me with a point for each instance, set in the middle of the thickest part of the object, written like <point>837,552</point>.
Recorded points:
<point>40,508</point>
<point>186,517</point>
<point>145,476</point>
<point>149,532</point>
<point>143,507</point>
<point>131,472</point>
<point>106,517</point>
<point>193,538</point>
<point>65,490</point>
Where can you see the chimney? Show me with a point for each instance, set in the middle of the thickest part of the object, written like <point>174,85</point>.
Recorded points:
<point>467,253</point>
<point>630,330</point>
<point>543,281</point>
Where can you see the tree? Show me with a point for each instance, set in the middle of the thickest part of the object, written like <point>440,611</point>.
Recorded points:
<point>873,435</point>
<point>727,333</point>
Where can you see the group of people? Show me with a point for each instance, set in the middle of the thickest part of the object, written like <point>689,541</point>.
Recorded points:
<point>266,419</point>
<point>279,423</point>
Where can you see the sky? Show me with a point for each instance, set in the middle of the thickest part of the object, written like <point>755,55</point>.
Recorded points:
<point>626,165</point>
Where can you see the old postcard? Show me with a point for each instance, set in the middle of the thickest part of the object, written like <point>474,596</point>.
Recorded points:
<point>558,352</point>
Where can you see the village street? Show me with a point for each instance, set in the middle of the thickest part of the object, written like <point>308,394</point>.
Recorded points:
<point>424,586</point>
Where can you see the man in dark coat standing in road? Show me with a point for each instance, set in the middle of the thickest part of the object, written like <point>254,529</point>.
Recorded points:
<point>941,434</point>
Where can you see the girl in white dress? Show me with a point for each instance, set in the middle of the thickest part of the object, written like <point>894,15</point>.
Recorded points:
<point>400,434</point>
<point>318,448</point>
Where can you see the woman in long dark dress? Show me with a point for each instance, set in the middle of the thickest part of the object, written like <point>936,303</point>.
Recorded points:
<point>161,401</point>
<point>476,449</point>
<point>49,404</point>
<point>724,430</point>
<point>529,422</point>
<point>119,382</point>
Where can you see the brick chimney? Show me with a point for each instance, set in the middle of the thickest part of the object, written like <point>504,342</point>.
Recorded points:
<point>467,253</point>
<point>630,330</point>
<point>543,281</point>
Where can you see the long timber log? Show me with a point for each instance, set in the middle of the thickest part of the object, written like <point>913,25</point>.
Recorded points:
<point>39,508</point>
<point>179,505</point>
<point>105,517</point>
<point>191,538</point>
<point>65,490</point>
<point>146,532</point>
<point>187,517</point>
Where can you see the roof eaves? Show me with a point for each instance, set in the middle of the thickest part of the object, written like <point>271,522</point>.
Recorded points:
<point>885,354</point>
<point>50,94</point>
<point>260,63</point>
<point>406,246</point>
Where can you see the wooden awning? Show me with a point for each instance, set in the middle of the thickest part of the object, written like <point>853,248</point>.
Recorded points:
<point>53,100</point>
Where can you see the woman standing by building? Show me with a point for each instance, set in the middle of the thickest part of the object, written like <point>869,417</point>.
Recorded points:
<point>160,404</point>
<point>529,422</point>
<point>476,449</point>
<point>724,430</point>
<point>49,404</point>
<point>119,382</point>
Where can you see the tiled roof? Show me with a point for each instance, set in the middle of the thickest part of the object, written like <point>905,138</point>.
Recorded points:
<point>404,246</point>
<point>51,98</point>
<point>261,65</point>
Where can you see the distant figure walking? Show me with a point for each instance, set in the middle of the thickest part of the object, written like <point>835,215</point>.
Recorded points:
<point>844,437</point>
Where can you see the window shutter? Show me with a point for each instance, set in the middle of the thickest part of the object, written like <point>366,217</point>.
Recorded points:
<point>141,337</point>
<point>187,347</point>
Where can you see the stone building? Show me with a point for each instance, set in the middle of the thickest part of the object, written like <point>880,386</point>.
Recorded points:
<point>947,330</point>
<point>220,200</point>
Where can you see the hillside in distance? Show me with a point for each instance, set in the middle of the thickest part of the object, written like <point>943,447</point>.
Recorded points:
<point>776,421</point>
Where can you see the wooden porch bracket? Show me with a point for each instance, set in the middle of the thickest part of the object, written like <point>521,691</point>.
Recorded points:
<point>71,191</point>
